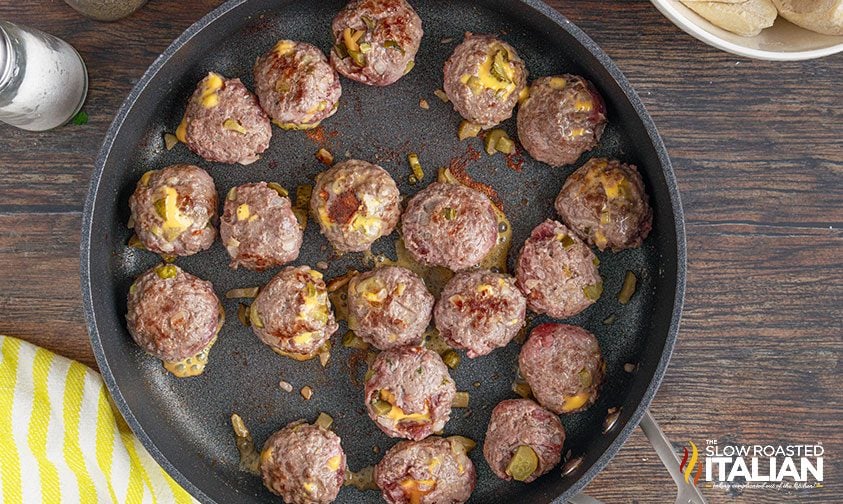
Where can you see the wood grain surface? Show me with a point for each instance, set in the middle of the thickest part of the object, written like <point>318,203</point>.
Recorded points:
<point>757,150</point>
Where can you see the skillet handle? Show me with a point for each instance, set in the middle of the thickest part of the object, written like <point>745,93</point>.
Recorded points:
<point>688,493</point>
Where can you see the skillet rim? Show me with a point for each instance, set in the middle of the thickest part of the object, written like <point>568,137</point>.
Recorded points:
<point>542,8</point>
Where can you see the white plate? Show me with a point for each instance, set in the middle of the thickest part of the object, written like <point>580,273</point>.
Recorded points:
<point>783,41</point>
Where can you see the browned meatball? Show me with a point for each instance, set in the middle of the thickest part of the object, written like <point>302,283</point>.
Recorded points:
<point>172,314</point>
<point>174,210</point>
<point>223,122</point>
<point>480,311</point>
<point>376,40</point>
<point>518,423</point>
<point>563,366</point>
<point>563,118</point>
<point>430,471</point>
<point>557,272</point>
<point>483,78</point>
<point>355,203</point>
<point>304,464</point>
<point>259,229</point>
<point>296,85</point>
<point>389,307</point>
<point>409,392</point>
<point>449,225</point>
<point>292,313</point>
<point>605,204</point>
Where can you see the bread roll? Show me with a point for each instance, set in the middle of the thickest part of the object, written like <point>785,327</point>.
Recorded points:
<point>746,18</point>
<point>822,16</point>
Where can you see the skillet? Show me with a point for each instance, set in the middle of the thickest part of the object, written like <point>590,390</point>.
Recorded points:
<point>185,423</point>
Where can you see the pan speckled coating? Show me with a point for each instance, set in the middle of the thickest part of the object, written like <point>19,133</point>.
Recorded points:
<point>185,423</point>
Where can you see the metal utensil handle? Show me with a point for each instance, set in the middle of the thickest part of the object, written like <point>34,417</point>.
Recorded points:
<point>687,493</point>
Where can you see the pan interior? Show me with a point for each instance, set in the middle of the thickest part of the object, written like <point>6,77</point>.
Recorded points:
<point>185,422</point>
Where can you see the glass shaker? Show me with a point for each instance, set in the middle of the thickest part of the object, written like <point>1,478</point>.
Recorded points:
<point>43,80</point>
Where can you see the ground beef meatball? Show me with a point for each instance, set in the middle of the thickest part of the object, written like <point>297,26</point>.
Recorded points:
<point>557,272</point>
<point>483,78</point>
<point>430,471</point>
<point>376,40</point>
<point>292,313</point>
<point>172,314</point>
<point>563,366</point>
<point>355,203</point>
<point>409,392</point>
<point>258,227</point>
<point>563,117</point>
<point>605,204</point>
<point>480,311</point>
<point>523,429</point>
<point>223,122</point>
<point>449,225</point>
<point>296,85</point>
<point>389,307</point>
<point>304,464</point>
<point>174,210</point>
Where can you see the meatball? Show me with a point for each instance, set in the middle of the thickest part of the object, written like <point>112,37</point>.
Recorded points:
<point>409,392</point>
<point>376,40</point>
<point>449,225</point>
<point>258,227</point>
<point>292,313</point>
<point>523,440</point>
<point>557,272</point>
<point>173,315</point>
<point>483,79</point>
<point>430,471</point>
<point>480,311</point>
<point>223,122</point>
<point>563,366</point>
<point>355,203</point>
<point>174,210</point>
<point>304,464</point>
<point>296,85</point>
<point>389,307</point>
<point>563,117</point>
<point>605,204</point>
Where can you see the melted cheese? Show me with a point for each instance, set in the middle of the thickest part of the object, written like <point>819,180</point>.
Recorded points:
<point>212,85</point>
<point>174,222</point>
<point>415,490</point>
<point>284,47</point>
<point>295,126</point>
<point>191,366</point>
<point>243,212</point>
<point>398,415</point>
<point>334,463</point>
<point>488,80</point>
<point>181,131</point>
<point>575,402</point>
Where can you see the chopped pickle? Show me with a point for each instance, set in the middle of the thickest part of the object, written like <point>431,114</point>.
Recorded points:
<point>351,340</point>
<point>255,317</point>
<point>370,23</point>
<point>275,186</point>
<point>243,314</point>
<point>567,241</point>
<point>461,400</point>
<point>593,292</point>
<point>462,442</point>
<point>249,456</point>
<point>524,95</point>
<point>391,44</point>
<point>416,166</point>
<point>449,213</point>
<point>324,420</point>
<point>451,359</point>
<point>585,377</point>
<point>357,57</point>
<point>232,194</point>
<point>410,66</point>
<point>595,261</point>
<point>248,292</point>
<point>325,157</point>
<point>628,290</point>
<point>523,389</point>
<point>135,242</point>
<point>501,68</point>
<point>505,145</point>
<point>575,402</point>
<point>492,139</point>
<point>234,125</point>
<point>144,180</point>
<point>350,37</point>
<point>166,271</point>
<point>468,130</point>
<point>161,208</point>
<point>170,141</point>
<point>365,48</point>
<point>475,85</point>
<point>341,50</point>
<point>523,463</point>
<point>381,407</point>
<point>442,95</point>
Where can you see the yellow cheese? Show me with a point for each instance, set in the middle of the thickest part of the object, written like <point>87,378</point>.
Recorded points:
<point>284,47</point>
<point>575,402</point>
<point>334,463</point>
<point>296,127</point>
<point>212,85</point>
<point>144,180</point>
<point>181,131</point>
<point>398,415</point>
<point>577,132</point>
<point>191,366</point>
<point>433,464</point>
<point>417,489</point>
<point>369,225</point>
<point>309,487</point>
<point>174,222</point>
<point>558,83</point>
<point>488,81</point>
<point>243,212</point>
<point>303,338</point>
<point>583,106</point>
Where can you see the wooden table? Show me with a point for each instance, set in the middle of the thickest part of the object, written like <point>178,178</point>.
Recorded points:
<point>757,150</point>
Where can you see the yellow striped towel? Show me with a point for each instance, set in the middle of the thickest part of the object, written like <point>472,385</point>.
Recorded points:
<point>61,440</point>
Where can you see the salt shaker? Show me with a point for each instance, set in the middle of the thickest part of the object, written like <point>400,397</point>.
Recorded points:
<point>43,80</point>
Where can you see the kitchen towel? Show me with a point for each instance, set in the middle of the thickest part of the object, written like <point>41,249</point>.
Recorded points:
<point>62,441</point>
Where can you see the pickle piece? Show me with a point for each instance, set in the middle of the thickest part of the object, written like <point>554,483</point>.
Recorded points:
<point>523,463</point>
<point>451,359</point>
<point>449,213</point>
<point>593,292</point>
<point>391,44</point>
<point>324,420</point>
<point>492,139</point>
<point>468,130</point>
<point>416,166</point>
<point>567,241</point>
<point>585,377</point>
<point>275,186</point>
<point>628,290</point>
<point>166,271</point>
<point>501,67</point>
<point>505,145</point>
<point>381,407</point>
